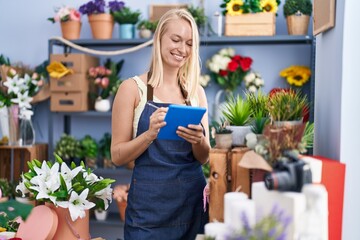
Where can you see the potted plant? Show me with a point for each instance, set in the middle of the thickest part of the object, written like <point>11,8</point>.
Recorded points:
<point>259,112</point>
<point>68,148</point>
<point>5,190</point>
<point>146,28</point>
<point>297,13</point>
<point>89,151</point>
<point>126,18</point>
<point>105,150</point>
<point>223,135</point>
<point>287,106</point>
<point>120,195</point>
<point>101,23</point>
<point>70,22</point>
<point>70,191</point>
<point>237,112</point>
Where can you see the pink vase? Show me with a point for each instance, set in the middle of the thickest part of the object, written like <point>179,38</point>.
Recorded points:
<point>69,230</point>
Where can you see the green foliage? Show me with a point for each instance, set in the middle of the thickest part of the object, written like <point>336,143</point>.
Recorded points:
<point>237,111</point>
<point>147,24</point>
<point>4,60</point>
<point>220,128</point>
<point>89,147</point>
<point>308,137</point>
<point>257,102</point>
<point>287,106</point>
<point>259,122</point>
<point>68,147</point>
<point>206,169</point>
<point>5,187</point>
<point>105,146</point>
<point>198,14</point>
<point>126,16</point>
<point>114,78</point>
<point>292,7</point>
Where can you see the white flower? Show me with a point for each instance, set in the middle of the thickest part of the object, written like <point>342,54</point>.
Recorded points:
<point>105,195</point>
<point>69,174</point>
<point>252,89</point>
<point>14,84</point>
<point>45,189</point>
<point>249,77</point>
<point>21,187</point>
<point>91,178</point>
<point>227,52</point>
<point>204,80</point>
<point>44,173</point>
<point>23,100</point>
<point>63,12</point>
<point>259,82</point>
<point>77,204</point>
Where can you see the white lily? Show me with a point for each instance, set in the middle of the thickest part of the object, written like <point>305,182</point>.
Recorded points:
<point>105,195</point>
<point>69,174</point>
<point>77,204</point>
<point>23,99</point>
<point>13,84</point>
<point>91,178</point>
<point>21,187</point>
<point>46,189</point>
<point>44,173</point>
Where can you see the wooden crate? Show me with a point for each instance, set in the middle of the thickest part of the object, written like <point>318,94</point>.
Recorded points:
<point>21,156</point>
<point>157,10</point>
<point>78,62</point>
<point>69,102</point>
<point>77,82</point>
<point>255,24</point>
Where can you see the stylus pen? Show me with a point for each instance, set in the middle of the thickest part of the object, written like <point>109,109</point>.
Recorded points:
<point>152,105</point>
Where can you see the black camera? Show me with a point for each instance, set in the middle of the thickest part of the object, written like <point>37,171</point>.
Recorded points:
<point>289,175</point>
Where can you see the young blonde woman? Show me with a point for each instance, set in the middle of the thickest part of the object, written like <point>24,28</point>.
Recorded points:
<point>165,199</point>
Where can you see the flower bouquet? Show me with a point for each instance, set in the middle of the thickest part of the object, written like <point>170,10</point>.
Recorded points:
<point>70,20</point>
<point>76,188</point>
<point>228,69</point>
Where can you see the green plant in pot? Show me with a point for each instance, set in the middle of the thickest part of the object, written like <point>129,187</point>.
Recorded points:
<point>237,112</point>
<point>199,16</point>
<point>89,151</point>
<point>259,112</point>
<point>222,134</point>
<point>297,13</point>
<point>69,149</point>
<point>105,150</point>
<point>146,28</point>
<point>127,19</point>
<point>286,105</point>
<point>5,189</point>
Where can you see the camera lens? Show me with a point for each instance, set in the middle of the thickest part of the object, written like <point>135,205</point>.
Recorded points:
<point>281,181</point>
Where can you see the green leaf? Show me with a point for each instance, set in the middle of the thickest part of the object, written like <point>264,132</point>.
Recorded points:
<point>63,184</point>
<point>58,158</point>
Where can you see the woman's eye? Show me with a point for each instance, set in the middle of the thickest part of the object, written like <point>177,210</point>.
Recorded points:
<point>176,40</point>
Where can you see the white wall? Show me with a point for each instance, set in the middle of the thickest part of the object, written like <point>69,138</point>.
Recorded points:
<point>336,104</point>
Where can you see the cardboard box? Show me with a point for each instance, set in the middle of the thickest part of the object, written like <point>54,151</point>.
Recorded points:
<point>157,10</point>
<point>77,82</point>
<point>69,102</point>
<point>21,156</point>
<point>79,63</point>
<point>252,24</point>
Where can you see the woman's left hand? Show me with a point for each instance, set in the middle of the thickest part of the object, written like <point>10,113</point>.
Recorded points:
<point>193,133</point>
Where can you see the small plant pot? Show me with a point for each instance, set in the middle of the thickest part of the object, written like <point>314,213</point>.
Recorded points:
<point>297,24</point>
<point>101,25</point>
<point>238,134</point>
<point>71,29</point>
<point>102,105</point>
<point>101,215</point>
<point>223,141</point>
<point>145,33</point>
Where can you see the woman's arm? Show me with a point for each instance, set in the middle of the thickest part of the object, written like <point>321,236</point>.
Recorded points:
<point>124,148</point>
<point>194,133</point>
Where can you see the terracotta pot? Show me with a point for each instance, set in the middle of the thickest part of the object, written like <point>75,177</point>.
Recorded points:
<point>297,24</point>
<point>101,25</point>
<point>69,230</point>
<point>71,29</point>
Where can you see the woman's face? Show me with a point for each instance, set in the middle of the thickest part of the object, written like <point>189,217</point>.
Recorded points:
<point>176,43</point>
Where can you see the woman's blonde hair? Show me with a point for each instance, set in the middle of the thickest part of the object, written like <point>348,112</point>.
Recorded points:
<point>189,73</point>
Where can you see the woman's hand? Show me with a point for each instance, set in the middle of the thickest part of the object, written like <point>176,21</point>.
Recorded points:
<point>193,133</point>
<point>156,122</point>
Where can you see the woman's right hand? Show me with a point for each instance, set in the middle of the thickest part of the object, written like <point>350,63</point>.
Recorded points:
<point>156,122</point>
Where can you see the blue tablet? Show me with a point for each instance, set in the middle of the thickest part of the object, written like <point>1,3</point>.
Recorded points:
<point>180,115</point>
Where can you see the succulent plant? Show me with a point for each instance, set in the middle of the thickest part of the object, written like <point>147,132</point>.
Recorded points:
<point>237,111</point>
<point>89,147</point>
<point>292,7</point>
<point>68,147</point>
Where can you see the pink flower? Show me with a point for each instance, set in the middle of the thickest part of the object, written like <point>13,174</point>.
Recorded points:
<point>56,18</point>
<point>35,75</point>
<point>74,15</point>
<point>92,72</point>
<point>104,82</point>
<point>97,81</point>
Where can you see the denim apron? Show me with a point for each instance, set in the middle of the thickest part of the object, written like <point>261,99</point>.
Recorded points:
<point>166,190</point>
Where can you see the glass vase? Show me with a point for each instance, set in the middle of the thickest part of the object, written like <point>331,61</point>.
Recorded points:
<point>27,133</point>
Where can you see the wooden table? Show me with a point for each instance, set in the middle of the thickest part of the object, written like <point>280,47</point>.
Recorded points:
<point>13,159</point>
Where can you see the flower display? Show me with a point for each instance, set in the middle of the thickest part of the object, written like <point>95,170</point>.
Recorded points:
<point>99,6</point>
<point>253,81</point>
<point>238,7</point>
<point>76,188</point>
<point>229,69</point>
<point>204,80</point>
<point>296,75</point>
<point>65,13</point>
<point>21,85</point>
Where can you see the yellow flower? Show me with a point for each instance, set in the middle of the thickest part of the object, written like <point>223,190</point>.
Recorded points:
<point>234,7</point>
<point>58,70</point>
<point>269,6</point>
<point>298,80</point>
<point>296,75</point>
<point>2,229</point>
